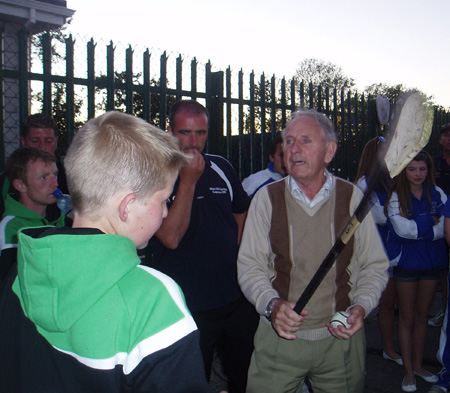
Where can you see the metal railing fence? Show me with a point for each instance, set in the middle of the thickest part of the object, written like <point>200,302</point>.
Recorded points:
<point>245,114</point>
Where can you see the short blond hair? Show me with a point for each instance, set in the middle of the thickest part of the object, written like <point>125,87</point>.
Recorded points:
<point>116,152</point>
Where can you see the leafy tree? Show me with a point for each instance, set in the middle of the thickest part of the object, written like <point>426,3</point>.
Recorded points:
<point>57,35</point>
<point>272,122</point>
<point>314,72</point>
<point>391,92</point>
<point>59,111</point>
<point>120,98</point>
<point>326,74</point>
<point>58,107</point>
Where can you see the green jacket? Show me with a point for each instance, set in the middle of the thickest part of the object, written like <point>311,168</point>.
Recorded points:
<point>112,325</point>
<point>15,217</point>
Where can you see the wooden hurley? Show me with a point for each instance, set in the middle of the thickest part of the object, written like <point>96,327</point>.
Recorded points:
<point>412,123</point>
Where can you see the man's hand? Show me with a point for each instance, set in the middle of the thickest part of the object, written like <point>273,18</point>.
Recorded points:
<point>192,171</point>
<point>356,320</point>
<point>176,223</point>
<point>285,320</point>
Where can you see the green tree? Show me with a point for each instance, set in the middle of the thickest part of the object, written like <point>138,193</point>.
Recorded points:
<point>272,116</point>
<point>327,74</point>
<point>314,72</point>
<point>59,112</point>
<point>58,107</point>
<point>120,98</point>
<point>393,92</point>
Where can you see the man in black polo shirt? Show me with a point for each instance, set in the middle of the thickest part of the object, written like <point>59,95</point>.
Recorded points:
<point>198,242</point>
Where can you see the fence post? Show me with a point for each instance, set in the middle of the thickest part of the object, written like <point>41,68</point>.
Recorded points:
<point>163,91</point>
<point>47,72</point>
<point>194,79</point>
<point>372,115</point>
<point>129,80</point>
<point>70,93</point>
<point>179,71</point>
<point>91,78</point>
<point>216,139</point>
<point>110,77</point>
<point>23,79</point>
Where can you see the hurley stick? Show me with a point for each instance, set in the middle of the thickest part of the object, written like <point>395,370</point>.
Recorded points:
<point>412,123</point>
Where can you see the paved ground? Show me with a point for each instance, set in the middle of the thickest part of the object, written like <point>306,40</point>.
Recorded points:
<point>383,376</point>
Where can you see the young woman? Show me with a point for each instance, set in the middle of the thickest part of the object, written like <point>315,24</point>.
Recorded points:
<point>388,300</point>
<point>414,210</point>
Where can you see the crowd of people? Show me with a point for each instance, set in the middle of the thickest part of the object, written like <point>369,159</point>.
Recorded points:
<point>82,311</point>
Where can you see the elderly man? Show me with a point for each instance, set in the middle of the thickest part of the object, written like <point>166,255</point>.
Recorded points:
<point>291,226</point>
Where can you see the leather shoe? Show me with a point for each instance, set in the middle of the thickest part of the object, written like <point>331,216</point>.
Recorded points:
<point>409,388</point>
<point>399,361</point>
<point>428,378</point>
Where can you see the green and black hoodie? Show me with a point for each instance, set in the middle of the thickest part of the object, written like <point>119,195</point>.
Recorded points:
<point>83,316</point>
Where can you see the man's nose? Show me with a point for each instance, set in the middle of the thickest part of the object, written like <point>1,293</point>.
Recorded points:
<point>295,147</point>
<point>193,140</point>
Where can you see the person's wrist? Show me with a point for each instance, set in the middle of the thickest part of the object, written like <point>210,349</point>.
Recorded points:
<point>270,305</point>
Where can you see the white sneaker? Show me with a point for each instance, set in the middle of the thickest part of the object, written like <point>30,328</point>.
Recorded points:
<point>437,319</point>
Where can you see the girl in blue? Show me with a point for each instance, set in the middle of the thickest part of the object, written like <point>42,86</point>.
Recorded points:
<point>386,311</point>
<point>414,209</point>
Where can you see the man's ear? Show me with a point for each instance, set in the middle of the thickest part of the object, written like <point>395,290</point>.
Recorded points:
<point>19,185</point>
<point>125,206</point>
<point>330,151</point>
<point>270,158</point>
<point>169,130</point>
<point>22,141</point>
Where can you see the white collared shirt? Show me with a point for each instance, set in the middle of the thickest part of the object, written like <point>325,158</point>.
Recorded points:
<point>322,195</point>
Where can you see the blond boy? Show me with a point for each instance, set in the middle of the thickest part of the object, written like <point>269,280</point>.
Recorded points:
<point>82,314</point>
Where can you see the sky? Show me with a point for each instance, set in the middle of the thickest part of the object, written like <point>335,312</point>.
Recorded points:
<point>384,41</point>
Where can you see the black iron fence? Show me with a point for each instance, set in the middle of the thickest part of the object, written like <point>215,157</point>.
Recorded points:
<point>246,110</point>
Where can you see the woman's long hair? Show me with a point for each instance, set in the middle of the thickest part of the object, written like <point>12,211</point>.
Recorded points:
<point>369,161</point>
<point>403,187</point>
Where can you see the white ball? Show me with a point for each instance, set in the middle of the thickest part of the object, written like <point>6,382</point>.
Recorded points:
<point>340,319</point>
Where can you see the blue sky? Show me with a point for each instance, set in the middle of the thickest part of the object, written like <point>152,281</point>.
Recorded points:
<point>384,41</point>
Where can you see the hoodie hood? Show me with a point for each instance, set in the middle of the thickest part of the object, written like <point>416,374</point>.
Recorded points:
<point>55,284</point>
<point>26,215</point>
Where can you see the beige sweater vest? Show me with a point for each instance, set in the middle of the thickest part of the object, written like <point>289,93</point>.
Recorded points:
<point>301,238</point>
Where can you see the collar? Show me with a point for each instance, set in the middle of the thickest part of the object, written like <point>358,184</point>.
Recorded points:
<point>323,193</point>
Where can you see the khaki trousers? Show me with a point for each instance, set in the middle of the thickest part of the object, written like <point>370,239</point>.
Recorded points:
<point>331,365</point>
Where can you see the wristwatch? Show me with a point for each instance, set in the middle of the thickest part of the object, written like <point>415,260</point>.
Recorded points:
<point>270,305</point>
